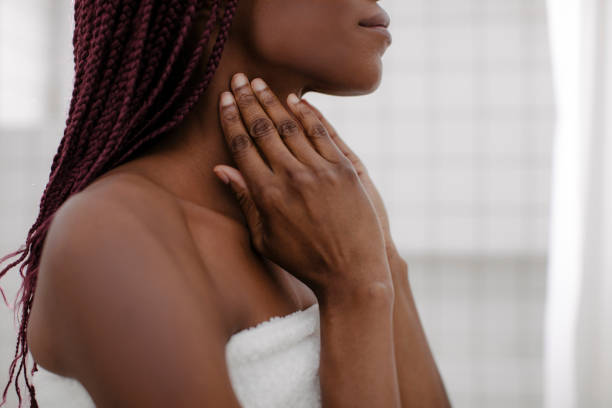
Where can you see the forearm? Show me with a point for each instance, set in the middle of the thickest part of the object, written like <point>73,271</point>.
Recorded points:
<point>419,381</point>
<point>357,362</point>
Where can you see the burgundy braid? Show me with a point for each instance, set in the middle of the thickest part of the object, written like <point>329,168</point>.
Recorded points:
<point>129,88</point>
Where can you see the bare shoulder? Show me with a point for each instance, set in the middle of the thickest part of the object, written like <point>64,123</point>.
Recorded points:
<point>122,222</point>
<point>127,302</point>
<point>124,202</point>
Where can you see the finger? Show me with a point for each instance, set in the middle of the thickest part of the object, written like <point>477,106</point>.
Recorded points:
<point>260,126</point>
<point>315,130</point>
<point>347,151</point>
<point>289,128</point>
<point>243,151</point>
<point>335,136</point>
<point>239,187</point>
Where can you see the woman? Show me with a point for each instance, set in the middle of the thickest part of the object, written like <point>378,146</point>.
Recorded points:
<point>152,266</point>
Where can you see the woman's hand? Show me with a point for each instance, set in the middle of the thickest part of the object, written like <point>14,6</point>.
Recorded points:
<point>364,176</point>
<point>303,201</point>
<point>399,267</point>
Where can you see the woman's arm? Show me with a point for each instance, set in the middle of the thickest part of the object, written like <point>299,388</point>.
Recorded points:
<point>308,211</point>
<point>413,356</point>
<point>357,363</point>
<point>124,316</point>
<point>419,380</point>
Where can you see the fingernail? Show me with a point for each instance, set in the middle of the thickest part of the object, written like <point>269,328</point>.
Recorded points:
<point>222,176</point>
<point>240,79</point>
<point>227,98</point>
<point>258,84</point>
<point>293,98</point>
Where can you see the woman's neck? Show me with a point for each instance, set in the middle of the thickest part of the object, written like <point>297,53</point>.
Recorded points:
<point>181,162</point>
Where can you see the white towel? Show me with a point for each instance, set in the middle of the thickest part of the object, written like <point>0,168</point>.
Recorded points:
<point>273,364</point>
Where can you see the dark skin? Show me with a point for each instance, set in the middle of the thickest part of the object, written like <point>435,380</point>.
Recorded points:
<point>191,252</point>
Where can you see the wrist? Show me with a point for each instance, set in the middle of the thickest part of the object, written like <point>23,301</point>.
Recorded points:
<point>357,296</point>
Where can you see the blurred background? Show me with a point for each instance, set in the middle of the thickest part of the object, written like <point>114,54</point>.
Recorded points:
<point>459,138</point>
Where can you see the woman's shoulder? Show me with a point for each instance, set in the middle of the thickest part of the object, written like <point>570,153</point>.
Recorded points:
<point>122,214</point>
<point>119,238</point>
<point>119,302</point>
<point>123,206</point>
<point>128,193</point>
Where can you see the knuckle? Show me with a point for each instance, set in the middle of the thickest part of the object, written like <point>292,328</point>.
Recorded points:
<point>270,196</point>
<point>347,169</point>
<point>243,199</point>
<point>240,144</point>
<point>244,97</point>
<point>345,166</point>
<point>318,131</point>
<point>300,176</point>
<point>328,173</point>
<point>343,171</point>
<point>230,114</point>
<point>261,127</point>
<point>250,205</point>
<point>267,97</point>
<point>287,128</point>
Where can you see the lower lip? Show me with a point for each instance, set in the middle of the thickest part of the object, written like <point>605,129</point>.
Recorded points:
<point>382,30</point>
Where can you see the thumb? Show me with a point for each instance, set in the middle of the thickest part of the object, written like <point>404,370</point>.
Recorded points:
<point>243,195</point>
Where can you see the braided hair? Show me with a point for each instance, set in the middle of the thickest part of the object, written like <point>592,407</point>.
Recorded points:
<point>132,66</point>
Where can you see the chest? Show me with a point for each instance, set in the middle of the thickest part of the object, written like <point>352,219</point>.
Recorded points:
<point>251,288</point>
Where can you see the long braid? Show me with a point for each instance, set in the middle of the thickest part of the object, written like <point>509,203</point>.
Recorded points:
<point>213,63</point>
<point>132,68</point>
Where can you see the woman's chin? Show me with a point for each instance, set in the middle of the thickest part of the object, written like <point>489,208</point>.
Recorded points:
<point>366,79</point>
<point>355,83</point>
<point>363,84</point>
